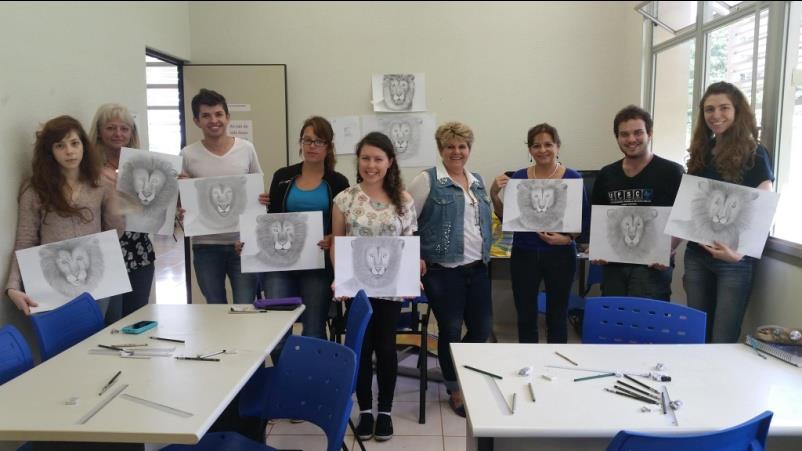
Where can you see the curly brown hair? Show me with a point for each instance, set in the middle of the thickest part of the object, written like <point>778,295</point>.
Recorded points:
<point>48,181</point>
<point>392,184</point>
<point>735,148</point>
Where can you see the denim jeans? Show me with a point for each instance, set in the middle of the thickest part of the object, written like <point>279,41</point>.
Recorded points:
<point>212,263</point>
<point>124,304</point>
<point>556,268</point>
<point>636,280</point>
<point>313,286</point>
<point>456,295</point>
<point>720,289</point>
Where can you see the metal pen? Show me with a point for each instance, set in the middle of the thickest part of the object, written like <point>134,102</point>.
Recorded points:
<point>110,383</point>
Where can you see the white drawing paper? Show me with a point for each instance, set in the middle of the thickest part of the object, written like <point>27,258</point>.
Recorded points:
<point>412,136</point>
<point>56,273</point>
<point>281,241</point>
<point>630,234</point>
<point>384,266</point>
<point>543,205</point>
<point>242,129</point>
<point>147,184</point>
<point>399,93</point>
<point>347,133</point>
<point>738,216</point>
<point>214,204</point>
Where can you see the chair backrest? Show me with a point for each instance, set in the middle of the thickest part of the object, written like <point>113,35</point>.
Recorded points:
<point>595,275</point>
<point>359,314</point>
<point>747,436</point>
<point>15,355</point>
<point>313,381</point>
<point>59,329</point>
<point>638,320</point>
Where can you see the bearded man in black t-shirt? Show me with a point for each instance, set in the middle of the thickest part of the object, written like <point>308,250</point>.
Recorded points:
<point>640,178</point>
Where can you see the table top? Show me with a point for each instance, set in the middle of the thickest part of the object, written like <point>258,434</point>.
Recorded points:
<point>34,404</point>
<point>720,385</point>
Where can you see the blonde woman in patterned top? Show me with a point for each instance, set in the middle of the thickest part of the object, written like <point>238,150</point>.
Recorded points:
<point>376,206</point>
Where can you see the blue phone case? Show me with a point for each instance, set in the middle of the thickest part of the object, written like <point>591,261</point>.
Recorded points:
<point>130,329</point>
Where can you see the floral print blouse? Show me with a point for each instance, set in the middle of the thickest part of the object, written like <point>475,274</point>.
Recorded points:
<point>365,217</point>
<point>137,250</point>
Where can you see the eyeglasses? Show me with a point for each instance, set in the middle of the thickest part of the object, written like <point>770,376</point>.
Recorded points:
<point>313,142</point>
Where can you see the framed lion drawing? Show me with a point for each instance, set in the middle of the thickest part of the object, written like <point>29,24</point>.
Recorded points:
<point>281,241</point>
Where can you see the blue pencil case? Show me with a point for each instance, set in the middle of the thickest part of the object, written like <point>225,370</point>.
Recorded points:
<point>278,303</point>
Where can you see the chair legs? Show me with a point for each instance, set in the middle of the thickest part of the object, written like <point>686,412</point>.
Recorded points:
<point>358,440</point>
<point>423,360</point>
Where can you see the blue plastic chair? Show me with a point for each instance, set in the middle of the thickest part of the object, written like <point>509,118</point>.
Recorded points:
<point>747,436</point>
<point>15,355</point>
<point>359,314</point>
<point>624,320</point>
<point>67,325</point>
<point>312,381</point>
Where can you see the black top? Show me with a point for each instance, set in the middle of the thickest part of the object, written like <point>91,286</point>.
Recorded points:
<point>751,176</point>
<point>655,185</point>
<point>283,180</point>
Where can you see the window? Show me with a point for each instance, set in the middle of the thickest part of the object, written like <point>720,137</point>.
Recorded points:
<point>164,119</point>
<point>672,109</point>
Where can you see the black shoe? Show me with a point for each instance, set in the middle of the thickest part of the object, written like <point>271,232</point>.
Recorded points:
<point>365,428</point>
<point>384,427</point>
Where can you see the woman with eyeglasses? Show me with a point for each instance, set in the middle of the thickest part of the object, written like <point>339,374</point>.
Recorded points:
<point>542,256</point>
<point>455,236</point>
<point>308,186</point>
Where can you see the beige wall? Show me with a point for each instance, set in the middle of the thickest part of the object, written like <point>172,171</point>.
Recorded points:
<point>68,58</point>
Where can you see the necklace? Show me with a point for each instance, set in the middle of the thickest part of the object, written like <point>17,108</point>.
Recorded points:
<point>556,168</point>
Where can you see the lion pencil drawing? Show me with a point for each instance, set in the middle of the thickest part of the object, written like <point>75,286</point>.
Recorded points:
<point>542,205</point>
<point>72,267</point>
<point>376,261</point>
<point>150,184</point>
<point>280,238</point>
<point>398,90</point>
<point>221,201</point>
<point>631,231</point>
<point>404,131</point>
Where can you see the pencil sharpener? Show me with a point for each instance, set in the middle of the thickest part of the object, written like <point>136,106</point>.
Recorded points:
<point>525,371</point>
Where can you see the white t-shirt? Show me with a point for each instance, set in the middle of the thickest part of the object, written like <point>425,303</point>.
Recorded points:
<point>198,161</point>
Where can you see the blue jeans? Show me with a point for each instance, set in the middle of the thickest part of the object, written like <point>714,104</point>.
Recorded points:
<point>213,262</point>
<point>719,289</point>
<point>313,286</point>
<point>636,280</point>
<point>124,304</point>
<point>556,268</point>
<point>457,294</point>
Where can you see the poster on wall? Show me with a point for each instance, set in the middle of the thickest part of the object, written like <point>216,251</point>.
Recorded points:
<point>242,129</point>
<point>399,93</point>
<point>347,133</point>
<point>412,136</point>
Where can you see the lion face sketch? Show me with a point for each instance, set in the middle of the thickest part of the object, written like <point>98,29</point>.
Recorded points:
<point>281,238</point>
<point>542,204</point>
<point>398,90</point>
<point>400,133</point>
<point>377,260</point>
<point>72,267</point>
<point>721,211</point>
<point>404,131</point>
<point>151,184</point>
<point>221,201</point>
<point>631,230</point>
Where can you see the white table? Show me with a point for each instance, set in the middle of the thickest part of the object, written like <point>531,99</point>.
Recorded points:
<point>720,385</point>
<point>33,405</point>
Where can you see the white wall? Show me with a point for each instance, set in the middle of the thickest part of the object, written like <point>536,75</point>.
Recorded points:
<point>499,67</point>
<point>69,58</point>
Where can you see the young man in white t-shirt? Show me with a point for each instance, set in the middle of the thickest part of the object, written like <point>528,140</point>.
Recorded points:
<point>218,153</point>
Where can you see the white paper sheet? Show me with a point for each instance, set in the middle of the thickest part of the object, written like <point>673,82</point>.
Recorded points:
<point>706,210</point>
<point>543,205</point>
<point>281,241</point>
<point>346,133</point>
<point>412,136</point>
<point>147,184</point>
<point>56,273</point>
<point>630,234</point>
<point>399,93</point>
<point>214,204</point>
<point>383,266</point>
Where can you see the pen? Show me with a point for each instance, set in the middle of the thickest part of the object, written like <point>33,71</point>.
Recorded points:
<point>579,379</point>
<point>641,384</point>
<point>167,339</point>
<point>197,358</point>
<point>206,356</point>
<point>482,371</point>
<point>110,383</point>
<point>532,391</point>
<point>566,358</point>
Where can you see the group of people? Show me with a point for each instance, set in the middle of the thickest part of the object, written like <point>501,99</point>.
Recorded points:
<point>71,193</point>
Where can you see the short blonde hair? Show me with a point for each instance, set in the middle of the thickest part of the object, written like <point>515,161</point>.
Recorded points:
<point>106,113</point>
<point>451,131</point>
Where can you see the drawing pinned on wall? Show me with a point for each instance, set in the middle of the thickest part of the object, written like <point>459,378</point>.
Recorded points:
<point>412,136</point>
<point>242,129</point>
<point>214,204</point>
<point>346,133</point>
<point>56,273</point>
<point>738,216</point>
<point>399,93</point>
<point>383,266</point>
<point>281,241</point>
<point>148,189</point>
<point>543,205</point>
<point>630,234</point>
